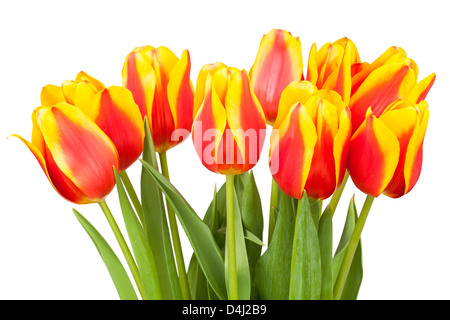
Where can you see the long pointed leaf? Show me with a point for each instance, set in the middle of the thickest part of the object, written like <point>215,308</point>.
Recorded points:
<point>155,224</point>
<point>355,275</point>
<point>306,276</point>
<point>198,233</point>
<point>141,247</point>
<point>273,269</point>
<point>115,268</point>
<point>326,253</point>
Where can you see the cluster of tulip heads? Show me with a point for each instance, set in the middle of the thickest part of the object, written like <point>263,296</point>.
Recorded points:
<point>342,114</point>
<point>335,118</point>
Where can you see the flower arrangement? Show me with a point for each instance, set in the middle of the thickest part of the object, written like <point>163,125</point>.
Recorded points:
<point>343,118</point>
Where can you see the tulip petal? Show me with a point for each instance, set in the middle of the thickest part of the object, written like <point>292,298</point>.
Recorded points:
<point>296,91</point>
<point>341,79</point>
<point>79,149</point>
<point>180,92</point>
<point>414,154</point>
<point>402,123</point>
<point>209,127</point>
<point>245,118</point>
<point>291,151</point>
<point>421,90</point>
<point>139,77</point>
<point>115,112</point>
<point>373,156</point>
<point>277,63</point>
<point>320,183</point>
<point>84,77</point>
<point>411,132</point>
<point>59,182</point>
<point>383,86</point>
<point>199,94</point>
<point>51,94</point>
<point>341,142</point>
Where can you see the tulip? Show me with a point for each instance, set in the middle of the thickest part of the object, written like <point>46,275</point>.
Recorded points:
<point>113,109</point>
<point>232,117</point>
<point>161,87</point>
<point>278,62</point>
<point>331,66</point>
<point>74,153</point>
<point>385,153</point>
<point>390,77</point>
<point>231,114</point>
<point>308,146</point>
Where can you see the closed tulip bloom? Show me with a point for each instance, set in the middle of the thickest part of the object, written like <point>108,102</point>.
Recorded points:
<point>113,109</point>
<point>74,153</point>
<point>229,128</point>
<point>390,77</point>
<point>278,62</point>
<point>161,87</point>
<point>308,146</point>
<point>385,153</point>
<point>331,66</point>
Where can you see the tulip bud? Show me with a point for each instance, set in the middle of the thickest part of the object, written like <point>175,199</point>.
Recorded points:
<point>229,127</point>
<point>75,154</point>
<point>161,87</point>
<point>331,66</point>
<point>112,109</point>
<point>385,153</point>
<point>308,146</point>
<point>390,77</point>
<point>277,63</point>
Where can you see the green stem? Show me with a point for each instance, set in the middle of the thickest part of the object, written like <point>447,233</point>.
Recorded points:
<point>123,245</point>
<point>175,235</point>
<point>231,240</point>
<point>273,208</point>
<point>133,196</point>
<point>338,193</point>
<point>351,249</point>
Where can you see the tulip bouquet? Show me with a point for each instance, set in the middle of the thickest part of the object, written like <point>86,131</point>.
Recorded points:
<point>340,118</point>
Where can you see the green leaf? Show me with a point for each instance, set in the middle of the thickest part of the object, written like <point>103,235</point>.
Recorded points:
<point>326,253</point>
<point>347,232</point>
<point>272,271</point>
<point>305,283</point>
<point>156,226</point>
<point>115,268</point>
<point>355,275</point>
<point>198,233</point>
<point>141,247</point>
<point>253,222</point>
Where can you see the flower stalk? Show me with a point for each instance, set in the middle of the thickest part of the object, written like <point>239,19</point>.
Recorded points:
<point>175,235</point>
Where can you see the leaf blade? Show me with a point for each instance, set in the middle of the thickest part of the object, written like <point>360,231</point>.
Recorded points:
<point>115,268</point>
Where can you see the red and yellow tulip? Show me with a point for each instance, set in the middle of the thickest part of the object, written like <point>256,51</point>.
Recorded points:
<point>385,153</point>
<point>331,66</point>
<point>113,109</point>
<point>390,77</point>
<point>161,87</point>
<point>278,62</point>
<point>76,155</point>
<point>308,146</point>
<point>229,128</point>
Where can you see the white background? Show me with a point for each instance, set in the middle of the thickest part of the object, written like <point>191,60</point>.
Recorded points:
<point>45,253</point>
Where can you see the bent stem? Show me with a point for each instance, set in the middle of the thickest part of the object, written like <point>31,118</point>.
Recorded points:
<point>352,245</point>
<point>175,235</point>
<point>231,240</point>
<point>123,245</point>
<point>338,193</point>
